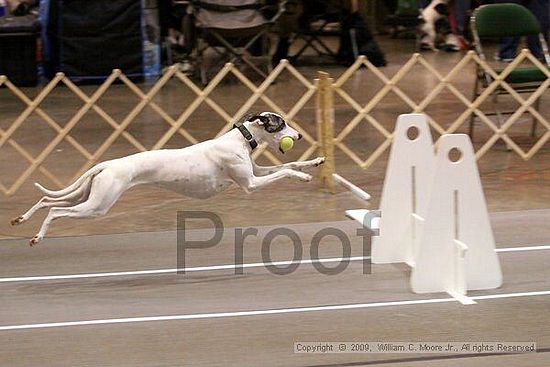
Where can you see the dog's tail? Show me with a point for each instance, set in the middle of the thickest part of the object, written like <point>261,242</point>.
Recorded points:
<point>75,185</point>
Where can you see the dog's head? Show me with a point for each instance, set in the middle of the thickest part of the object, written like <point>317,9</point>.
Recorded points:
<point>272,128</point>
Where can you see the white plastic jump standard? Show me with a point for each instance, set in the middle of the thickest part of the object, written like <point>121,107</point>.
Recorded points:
<point>457,251</point>
<point>433,214</point>
<point>405,192</point>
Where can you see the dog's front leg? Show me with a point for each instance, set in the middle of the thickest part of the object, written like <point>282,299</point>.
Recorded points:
<point>254,183</point>
<point>264,170</point>
<point>243,175</point>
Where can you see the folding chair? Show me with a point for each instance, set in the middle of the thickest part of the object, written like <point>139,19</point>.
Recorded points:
<point>318,22</point>
<point>405,19</point>
<point>506,20</point>
<point>238,27</point>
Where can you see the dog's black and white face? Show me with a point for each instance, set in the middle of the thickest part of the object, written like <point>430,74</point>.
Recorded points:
<point>273,129</point>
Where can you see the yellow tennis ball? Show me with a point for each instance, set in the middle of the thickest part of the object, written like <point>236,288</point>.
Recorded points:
<point>286,143</point>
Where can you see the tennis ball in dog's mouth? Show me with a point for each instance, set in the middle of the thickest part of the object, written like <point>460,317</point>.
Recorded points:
<point>286,143</point>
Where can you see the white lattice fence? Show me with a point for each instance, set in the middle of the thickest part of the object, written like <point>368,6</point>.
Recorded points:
<point>179,125</point>
<point>444,82</point>
<point>176,126</point>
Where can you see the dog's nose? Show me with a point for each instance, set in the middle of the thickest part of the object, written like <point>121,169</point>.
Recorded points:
<point>299,136</point>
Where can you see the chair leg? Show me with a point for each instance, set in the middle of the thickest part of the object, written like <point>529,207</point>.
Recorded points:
<point>266,47</point>
<point>200,61</point>
<point>534,123</point>
<point>168,48</point>
<point>498,113</point>
<point>240,53</point>
<point>324,47</point>
<point>317,48</point>
<point>243,58</point>
<point>204,78</point>
<point>316,44</point>
<point>473,115</point>
<point>471,127</point>
<point>308,41</point>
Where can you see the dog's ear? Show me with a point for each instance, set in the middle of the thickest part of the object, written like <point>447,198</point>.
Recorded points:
<point>248,117</point>
<point>251,116</point>
<point>262,119</point>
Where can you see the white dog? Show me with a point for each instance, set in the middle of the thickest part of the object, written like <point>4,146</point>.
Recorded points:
<point>198,171</point>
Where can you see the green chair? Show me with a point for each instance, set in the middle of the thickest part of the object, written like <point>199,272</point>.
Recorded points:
<point>506,20</point>
<point>406,20</point>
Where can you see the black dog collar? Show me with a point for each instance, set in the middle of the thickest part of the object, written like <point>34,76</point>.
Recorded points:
<point>247,135</point>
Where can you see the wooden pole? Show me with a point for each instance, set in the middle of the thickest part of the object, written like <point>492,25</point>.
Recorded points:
<point>325,130</point>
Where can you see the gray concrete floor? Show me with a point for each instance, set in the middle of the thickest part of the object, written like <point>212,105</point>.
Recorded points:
<point>138,234</point>
<point>261,339</point>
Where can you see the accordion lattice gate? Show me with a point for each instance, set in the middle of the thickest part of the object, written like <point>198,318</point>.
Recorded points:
<point>178,125</point>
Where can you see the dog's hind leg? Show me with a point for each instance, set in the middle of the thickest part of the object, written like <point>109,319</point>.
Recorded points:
<point>70,199</point>
<point>105,191</point>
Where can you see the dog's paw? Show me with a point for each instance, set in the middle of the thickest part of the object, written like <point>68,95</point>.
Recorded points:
<point>305,177</point>
<point>318,161</point>
<point>35,240</point>
<point>16,221</point>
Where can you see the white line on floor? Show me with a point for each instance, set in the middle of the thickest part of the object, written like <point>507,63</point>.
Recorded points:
<point>220,267</point>
<point>520,249</point>
<point>512,295</point>
<point>174,270</point>
<point>262,312</point>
